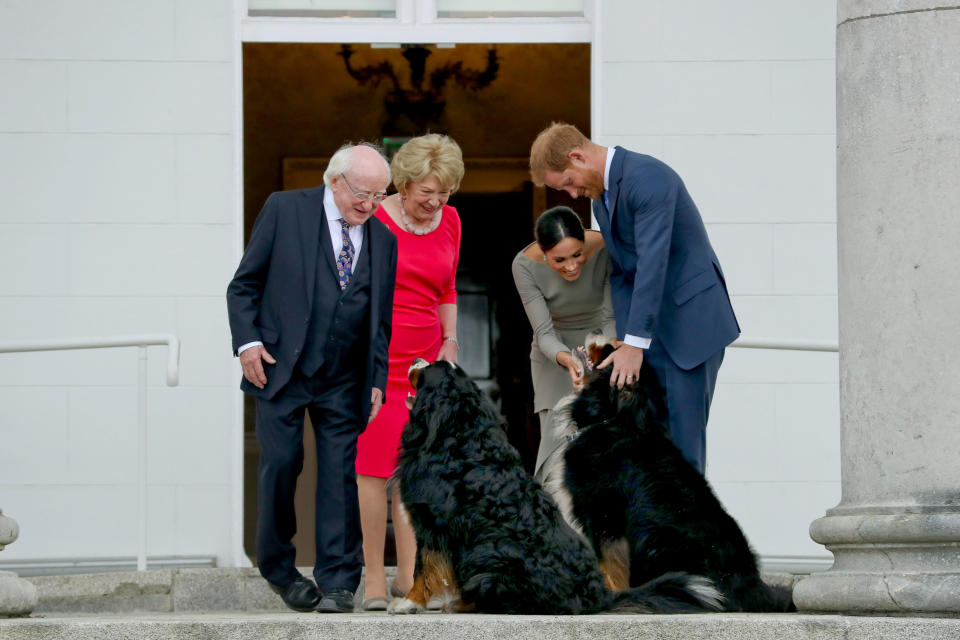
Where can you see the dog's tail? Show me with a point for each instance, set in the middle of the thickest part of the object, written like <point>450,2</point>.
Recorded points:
<point>781,599</point>
<point>674,592</point>
<point>759,597</point>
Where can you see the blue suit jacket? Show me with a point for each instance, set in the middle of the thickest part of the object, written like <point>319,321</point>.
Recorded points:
<point>666,280</point>
<point>272,293</point>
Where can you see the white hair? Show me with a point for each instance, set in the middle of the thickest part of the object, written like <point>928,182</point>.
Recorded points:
<point>342,161</point>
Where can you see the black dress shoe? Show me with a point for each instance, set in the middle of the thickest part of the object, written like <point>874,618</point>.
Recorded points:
<point>299,595</point>
<point>336,601</point>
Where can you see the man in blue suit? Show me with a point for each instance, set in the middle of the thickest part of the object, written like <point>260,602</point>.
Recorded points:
<point>669,295</point>
<point>310,310</point>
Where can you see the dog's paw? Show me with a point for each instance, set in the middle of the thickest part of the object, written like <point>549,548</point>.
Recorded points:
<point>404,605</point>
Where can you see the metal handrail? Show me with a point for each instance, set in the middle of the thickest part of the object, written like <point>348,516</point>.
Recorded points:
<point>106,342</point>
<point>750,342</point>
<point>173,377</point>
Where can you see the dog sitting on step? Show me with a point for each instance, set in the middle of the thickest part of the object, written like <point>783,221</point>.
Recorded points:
<point>623,484</point>
<point>484,525</point>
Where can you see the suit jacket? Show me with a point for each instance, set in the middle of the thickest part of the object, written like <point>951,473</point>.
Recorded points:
<point>271,295</point>
<point>666,281</point>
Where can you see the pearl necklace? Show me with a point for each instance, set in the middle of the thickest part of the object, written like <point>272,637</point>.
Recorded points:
<point>431,226</point>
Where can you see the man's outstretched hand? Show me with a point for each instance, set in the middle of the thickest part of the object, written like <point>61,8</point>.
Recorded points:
<point>626,361</point>
<point>252,360</point>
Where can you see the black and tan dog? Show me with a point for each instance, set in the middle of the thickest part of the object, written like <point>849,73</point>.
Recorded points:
<point>485,526</point>
<point>647,511</point>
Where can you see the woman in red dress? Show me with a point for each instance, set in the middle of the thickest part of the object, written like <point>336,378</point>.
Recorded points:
<point>426,171</point>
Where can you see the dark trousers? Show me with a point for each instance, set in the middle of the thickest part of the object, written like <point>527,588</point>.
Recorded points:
<point>333,403</point>
<point>688,396</point>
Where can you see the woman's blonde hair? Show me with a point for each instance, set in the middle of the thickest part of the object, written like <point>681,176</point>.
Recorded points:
<point>432,153</point>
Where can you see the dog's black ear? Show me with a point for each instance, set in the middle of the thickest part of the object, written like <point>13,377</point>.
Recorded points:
<point>606,351</point>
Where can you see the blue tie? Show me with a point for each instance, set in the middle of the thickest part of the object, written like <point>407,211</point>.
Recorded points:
<point>345,259</point>
<point>606,200</point>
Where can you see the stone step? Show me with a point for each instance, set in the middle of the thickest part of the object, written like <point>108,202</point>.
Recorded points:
<point>430,626</point>
<point>177,591</point>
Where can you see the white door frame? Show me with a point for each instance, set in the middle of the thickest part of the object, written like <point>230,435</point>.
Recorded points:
<point>416,22</point>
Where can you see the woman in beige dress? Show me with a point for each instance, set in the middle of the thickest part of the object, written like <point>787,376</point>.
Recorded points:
<point>564,283</point>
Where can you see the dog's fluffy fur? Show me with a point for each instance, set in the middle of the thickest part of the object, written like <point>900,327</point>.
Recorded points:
<point>624,479</point>
<point>505,543</point>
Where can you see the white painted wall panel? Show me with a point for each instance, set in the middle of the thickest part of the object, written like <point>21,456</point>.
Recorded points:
<point>730,30</point>
<point>746,254</point>
<point>206,355</point>
<point>805,259</point>
<point>632,30</point>
<point>151,97</point>
<point>778,367</point>
<point>34,419</point>
<point>32,317</point>
<point>800,317</point>
<point>69,178</point>
<point>803,96</point>
<point>808,420</point>
<point>150,260</point>
<point>35,258</point>
<point>163,521</point>
<point>757,178</point>
<point>189,436</point>
<point>35,95</point>
<point>72,521</point>
<point>119,217</point>
<point>747,29</point>
<point>102,435</point>
<point>204,175</point>
<point>203,521</point>
<point>742,432</point>
<point>686,98</point>
<point>101,30</point>
<point>204,30</point>
<point>93,367</point>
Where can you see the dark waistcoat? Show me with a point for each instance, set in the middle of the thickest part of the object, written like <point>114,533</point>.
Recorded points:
<point>344,347</point>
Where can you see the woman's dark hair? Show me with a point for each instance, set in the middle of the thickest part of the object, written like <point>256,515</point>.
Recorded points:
<point>555,224</point>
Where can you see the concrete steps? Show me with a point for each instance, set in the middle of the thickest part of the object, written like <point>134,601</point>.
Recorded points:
<point>214,604</point>
<point>431,626</point>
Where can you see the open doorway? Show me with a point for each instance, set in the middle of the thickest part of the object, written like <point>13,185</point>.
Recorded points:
<point>301,102</point>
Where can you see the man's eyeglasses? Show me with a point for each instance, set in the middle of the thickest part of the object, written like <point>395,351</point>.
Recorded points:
<point>364,195</point>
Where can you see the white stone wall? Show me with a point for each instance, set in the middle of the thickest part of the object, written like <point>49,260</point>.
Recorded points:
<point>738,96</point>
<point>117,216</point>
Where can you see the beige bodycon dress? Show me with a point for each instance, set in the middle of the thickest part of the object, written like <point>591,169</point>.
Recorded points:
<point>561,314</point>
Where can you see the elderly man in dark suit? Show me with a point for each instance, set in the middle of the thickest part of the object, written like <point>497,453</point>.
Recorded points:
<point>310,311</point>
<point>669,295</point>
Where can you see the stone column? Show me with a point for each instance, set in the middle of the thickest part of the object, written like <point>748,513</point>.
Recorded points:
<point>17,596</point>
<point>895,535</point>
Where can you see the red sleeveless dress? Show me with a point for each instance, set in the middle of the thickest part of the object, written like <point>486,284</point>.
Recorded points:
<point>426,277</point>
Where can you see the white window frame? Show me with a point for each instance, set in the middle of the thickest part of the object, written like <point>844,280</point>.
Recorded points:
<point>417,22</point>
